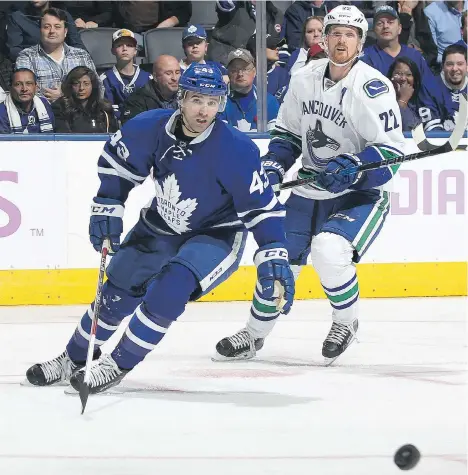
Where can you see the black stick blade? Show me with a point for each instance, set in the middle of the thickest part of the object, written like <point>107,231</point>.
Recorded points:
<point>84,393</point>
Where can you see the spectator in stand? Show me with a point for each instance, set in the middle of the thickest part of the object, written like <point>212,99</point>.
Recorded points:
<point>6,70</point>
<point>241,106</point>
<point>277,73</point>
<point>141,16</point>
<point>81,110</point>
<point>453,79</point>
<point>445,23</point>
<point>24,28</point>
<point>415,30</point>
<point>414,106</point>
<point>159,93</point>
<point>236,24</point>
<point>125,77</point>
<point>23,112</point>
<point>315,52</point>
<point>88,14</point>
<point>194,42</point>
<point>297,14</point>
<point>464,30</point>
<point>311,35</point>
<point>52,59</point>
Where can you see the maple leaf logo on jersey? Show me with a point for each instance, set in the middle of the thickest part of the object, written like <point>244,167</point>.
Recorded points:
<point>176,213</point>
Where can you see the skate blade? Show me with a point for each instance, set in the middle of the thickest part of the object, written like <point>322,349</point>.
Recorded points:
<point>26,383</point>
<point>217,358</point>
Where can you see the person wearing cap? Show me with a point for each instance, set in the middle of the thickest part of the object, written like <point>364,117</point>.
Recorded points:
<point>277,73</point>
<point>241,107</point>
<point>382,55</point>
<point>194,42</point>
<point>125,77</point>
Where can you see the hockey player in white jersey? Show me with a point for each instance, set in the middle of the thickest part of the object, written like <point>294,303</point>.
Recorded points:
<point>339,112</point>
<point>210,189</point>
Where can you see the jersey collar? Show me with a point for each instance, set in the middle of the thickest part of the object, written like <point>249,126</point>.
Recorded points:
<point>170,126</point>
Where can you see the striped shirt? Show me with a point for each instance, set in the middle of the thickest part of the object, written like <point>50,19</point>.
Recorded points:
<point>51,73</point>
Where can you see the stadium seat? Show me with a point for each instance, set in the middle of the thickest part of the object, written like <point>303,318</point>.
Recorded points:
<point>160,41</point>
<point>98,42</point>
<point>204,13</point>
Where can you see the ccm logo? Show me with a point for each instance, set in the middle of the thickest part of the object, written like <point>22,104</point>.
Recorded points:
<point>277,252</point>
<point>102,209</point>
<point>204,84</point>
<point>216,273</point>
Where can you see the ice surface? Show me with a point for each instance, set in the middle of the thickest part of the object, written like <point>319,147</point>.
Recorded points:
<point>282,413</point>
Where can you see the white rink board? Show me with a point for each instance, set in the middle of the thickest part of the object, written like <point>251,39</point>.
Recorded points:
<point>51,185</point>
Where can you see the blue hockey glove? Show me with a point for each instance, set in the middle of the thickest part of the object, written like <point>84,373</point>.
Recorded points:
<point>332,180</point>
<point>275,173</point>
<point>273,266</point>
<point>106,222</point>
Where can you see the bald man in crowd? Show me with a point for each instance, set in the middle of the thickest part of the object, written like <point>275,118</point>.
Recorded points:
<point>158,93</point>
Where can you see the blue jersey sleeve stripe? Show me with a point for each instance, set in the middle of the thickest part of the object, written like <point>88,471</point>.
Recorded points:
<point>123,172</point>
<point>263,216</point>
<point>268,207</point>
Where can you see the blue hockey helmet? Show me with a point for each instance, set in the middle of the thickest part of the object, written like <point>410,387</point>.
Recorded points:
<point>205,79</point>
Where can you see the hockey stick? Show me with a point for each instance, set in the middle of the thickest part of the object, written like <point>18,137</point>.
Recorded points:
<point>449,146</point>
<point>84,387</point>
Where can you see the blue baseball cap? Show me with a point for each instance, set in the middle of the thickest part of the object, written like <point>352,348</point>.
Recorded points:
<point>386,10</point>
<point>194,31</point>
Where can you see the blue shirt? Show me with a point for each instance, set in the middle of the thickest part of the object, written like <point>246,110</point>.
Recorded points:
<point>241,111</point>
<point>29,120</point>
<point>445,25</point>
<point>213,182</point>
<point>118,87</point>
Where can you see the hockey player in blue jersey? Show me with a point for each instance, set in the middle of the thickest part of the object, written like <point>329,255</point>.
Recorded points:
<point>210,189</point>
<point>338,113</point>
<point>125,77</point>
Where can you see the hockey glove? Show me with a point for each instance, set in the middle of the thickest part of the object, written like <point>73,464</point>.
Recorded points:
<point>106,222</point>
<point>332,180</point>
<point>275,173</point>
<point>273,266</point>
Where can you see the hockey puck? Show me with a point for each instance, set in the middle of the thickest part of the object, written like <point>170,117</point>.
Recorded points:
<point>407,457</point>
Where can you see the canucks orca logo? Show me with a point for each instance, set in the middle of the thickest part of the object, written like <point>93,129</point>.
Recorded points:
<point>315,139</point>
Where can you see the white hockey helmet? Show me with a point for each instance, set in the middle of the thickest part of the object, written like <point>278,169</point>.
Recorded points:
<point>346,15</point>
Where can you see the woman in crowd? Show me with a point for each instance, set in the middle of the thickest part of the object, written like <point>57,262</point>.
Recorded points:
<point>415,105</point>
<point>311,35</point>
<point>81,110</point>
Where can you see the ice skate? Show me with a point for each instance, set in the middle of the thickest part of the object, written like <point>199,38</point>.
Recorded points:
<point>104,374</point>
<point>338,339</point>
<point>240,346</point>
<point>58,370</point>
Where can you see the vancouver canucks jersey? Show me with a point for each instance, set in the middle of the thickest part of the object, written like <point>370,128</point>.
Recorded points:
<point>215,181</point>
<point>118,87</point>
<point>322,119</point>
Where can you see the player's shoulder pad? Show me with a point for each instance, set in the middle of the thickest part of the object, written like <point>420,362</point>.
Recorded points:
<point>153,120</point>
<point>234,141</point>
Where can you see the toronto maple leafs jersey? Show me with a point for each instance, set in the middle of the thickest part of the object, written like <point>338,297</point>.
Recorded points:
<point>452,96</point>
<point>358,115</point>
<point>215,181</point>
<point>118,87</point>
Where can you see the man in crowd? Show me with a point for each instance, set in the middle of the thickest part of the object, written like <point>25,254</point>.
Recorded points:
<point>159,93</point>
<point>125,77</point>
<point>241,107</point>
<point>52,59</point>
<point>23,112</point>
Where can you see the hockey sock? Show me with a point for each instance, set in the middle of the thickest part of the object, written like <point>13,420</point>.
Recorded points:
<point>263,314</point>
<point>163,303</point>
<point>332,257</point>
<point>116,305</point>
